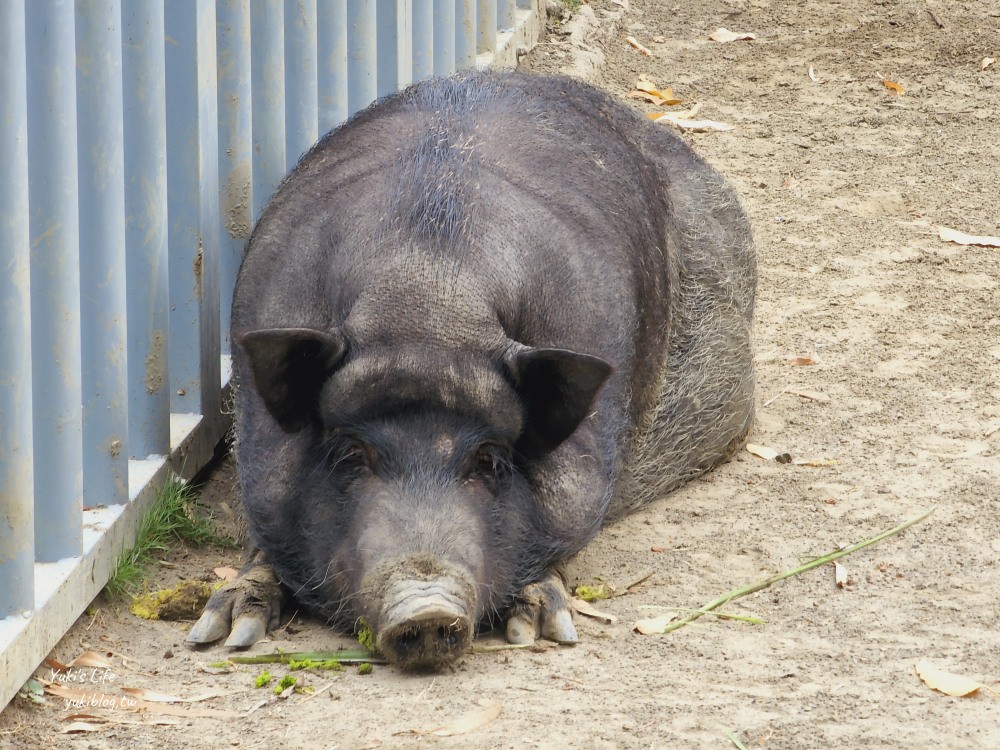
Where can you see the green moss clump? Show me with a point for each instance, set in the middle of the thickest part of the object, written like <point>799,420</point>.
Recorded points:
<point>182,602</point>
<point>296,664</point>
<point>365,635</point>
<point>593,593</point>
<point>284,683</point>
<point>263,680</point>
<point>365,668</point>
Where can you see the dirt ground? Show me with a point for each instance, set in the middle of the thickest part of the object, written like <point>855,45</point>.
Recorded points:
<point>845,184</point>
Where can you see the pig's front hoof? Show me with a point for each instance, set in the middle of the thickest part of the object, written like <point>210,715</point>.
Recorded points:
<point>245,608</point>
<point>542,610</point>
<point>424,624</point>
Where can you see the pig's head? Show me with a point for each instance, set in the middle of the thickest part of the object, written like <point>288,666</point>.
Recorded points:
<point>419,515</point>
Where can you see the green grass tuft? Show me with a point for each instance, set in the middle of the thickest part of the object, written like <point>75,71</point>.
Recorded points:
<point>171,520</point>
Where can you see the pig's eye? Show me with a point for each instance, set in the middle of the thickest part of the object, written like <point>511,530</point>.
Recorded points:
<point>353,457</point>
<point>488,465</point>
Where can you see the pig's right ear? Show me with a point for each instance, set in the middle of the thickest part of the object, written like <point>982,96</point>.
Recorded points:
<point>289,367</point>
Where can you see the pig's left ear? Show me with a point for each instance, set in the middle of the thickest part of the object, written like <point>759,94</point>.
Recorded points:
<point>557,388</point>
<point>289,367</point>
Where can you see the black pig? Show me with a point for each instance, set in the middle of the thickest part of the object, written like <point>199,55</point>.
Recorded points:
<point>476,322</point>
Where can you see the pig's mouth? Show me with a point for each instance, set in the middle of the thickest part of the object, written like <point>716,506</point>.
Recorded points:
<point>424,624</point>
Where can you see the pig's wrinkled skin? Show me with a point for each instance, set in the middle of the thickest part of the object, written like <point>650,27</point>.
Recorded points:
<point>475,323</point>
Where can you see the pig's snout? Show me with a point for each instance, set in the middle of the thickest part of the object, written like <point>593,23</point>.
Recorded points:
<point>424,623</point>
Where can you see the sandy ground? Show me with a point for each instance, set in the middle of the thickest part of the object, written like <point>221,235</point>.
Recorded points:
<point>845,184</point>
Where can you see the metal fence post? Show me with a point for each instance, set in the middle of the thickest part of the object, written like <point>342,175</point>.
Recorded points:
<point>17,534</point>
<point>55,277</point>
<point>423,40</point>
<point>192,207</point>
<point>301,97</point>
<point>362,60</point>
<point>465,33</point>
<point>486,26</point>
<point>102,252</point>
<point>267,73</point>
<point>331,18</point>
<point>505,14</point>
<point>445,29</point>
<point>235,147</point>
<point>143,71</point>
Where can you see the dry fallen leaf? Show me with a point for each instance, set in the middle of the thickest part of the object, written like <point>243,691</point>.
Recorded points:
<point>155,697</point>
<point>79,727</point>
<point>895,89</point>
<point>91,722</point>
<point>768,454</point>
<point>653,625</point>
<point>92,659</point>
<point>839,574</point>
<point>725,35</point>
<point>986,62</point>
<point>961,238</point>
<point>645,84</point>
<point>681,122</point>
<point>688,114</point>
<point>226,574</point>
<point>86,659</point>
<point>646,89</point>
<point>801,361</point>
<point>947,683</point>
<point>816,462</point>
<point>586,608</point>
<point>171,710</point>
<point>470,721</point>
<point>651,98</point>
<point>635,43</point>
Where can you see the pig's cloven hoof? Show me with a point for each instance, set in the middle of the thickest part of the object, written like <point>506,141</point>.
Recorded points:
<point>542,610</point>
<point>245,608</point>
<point>424,624</point>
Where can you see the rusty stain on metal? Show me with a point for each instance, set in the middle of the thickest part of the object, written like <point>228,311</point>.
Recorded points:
<point>236,201</point>
<point>154,363</point>
<point>197,265</point>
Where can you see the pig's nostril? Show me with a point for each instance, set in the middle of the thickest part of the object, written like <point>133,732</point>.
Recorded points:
<point>408,638</point>
<point>448,636</point>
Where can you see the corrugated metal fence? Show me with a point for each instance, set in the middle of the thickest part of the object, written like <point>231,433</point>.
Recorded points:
<point>138,142</point>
